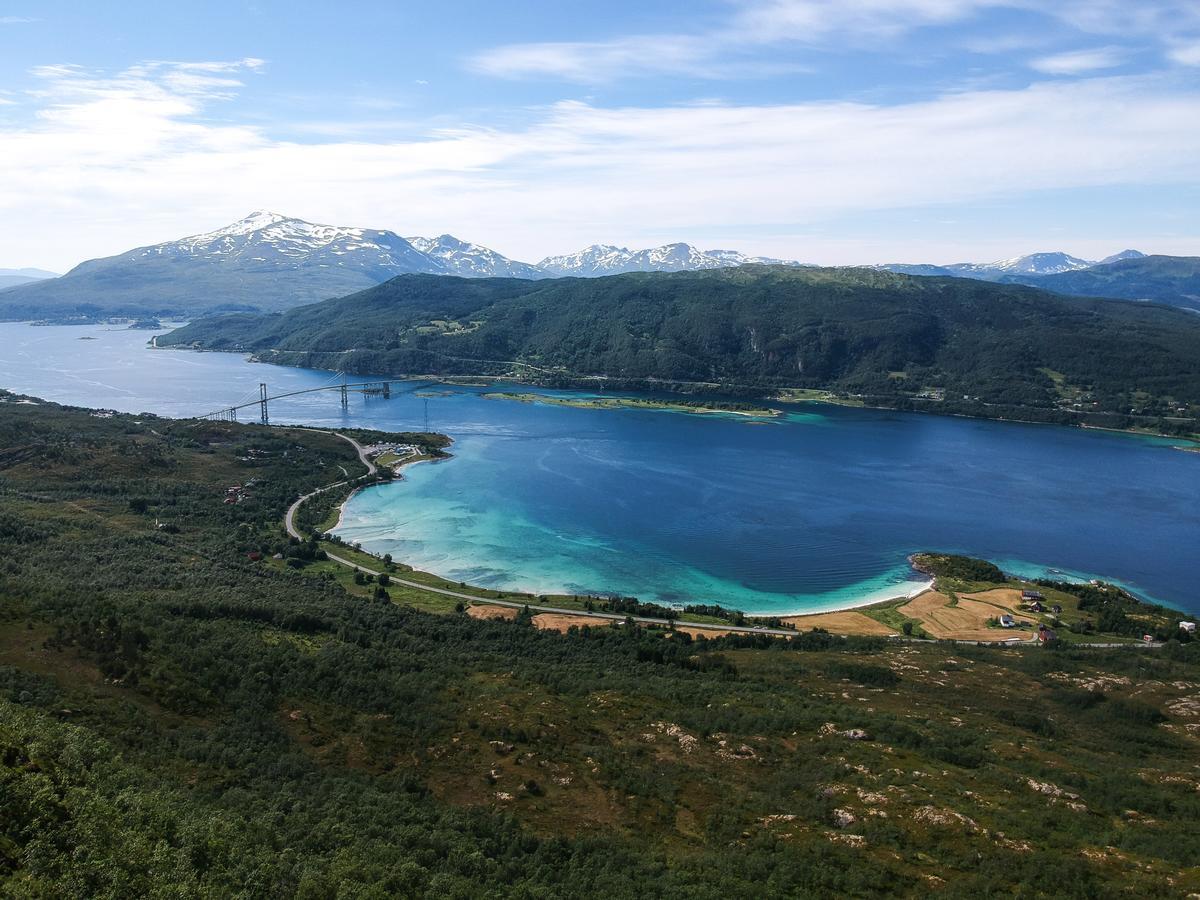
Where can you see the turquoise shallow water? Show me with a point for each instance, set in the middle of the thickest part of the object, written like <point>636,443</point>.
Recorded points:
<point>818,509</point>
<point>815,511</point>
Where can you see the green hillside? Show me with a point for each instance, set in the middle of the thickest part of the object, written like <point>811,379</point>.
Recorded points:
<point>180,716</point>
<point>173,289</point>
<point>1172,280</point>
<point>946,344</point>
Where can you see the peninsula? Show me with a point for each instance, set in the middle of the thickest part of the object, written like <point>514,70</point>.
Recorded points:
<point>869,337</point>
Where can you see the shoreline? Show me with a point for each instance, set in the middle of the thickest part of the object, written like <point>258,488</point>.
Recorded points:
<point>634,403</point>
<point>918,588</point>
<point>880,597</point>
<point>398,477</point>
<point>761,394</point>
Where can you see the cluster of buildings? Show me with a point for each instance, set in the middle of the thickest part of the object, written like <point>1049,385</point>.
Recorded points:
<point>398,452</point>
<point>239,492</point>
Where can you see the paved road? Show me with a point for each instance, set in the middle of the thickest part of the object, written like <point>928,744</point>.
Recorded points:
<point>289,524</point>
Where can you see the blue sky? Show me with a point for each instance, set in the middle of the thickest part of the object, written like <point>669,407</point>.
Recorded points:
<point>831,131</point>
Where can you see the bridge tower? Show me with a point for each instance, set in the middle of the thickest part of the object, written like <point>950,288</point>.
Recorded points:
<point>345,402</point>
<point>262,403</point>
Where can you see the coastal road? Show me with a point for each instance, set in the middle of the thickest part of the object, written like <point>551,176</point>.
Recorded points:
<point>289,523</point>
<point>289,520</point>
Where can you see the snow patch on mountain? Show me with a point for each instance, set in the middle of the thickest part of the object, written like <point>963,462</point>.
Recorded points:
<point>275,240</point>
<point>1032,264</point>
<point>1124,254</point>
<point>472,260</point>
<point>606,259</point>
<point>1040,264</point>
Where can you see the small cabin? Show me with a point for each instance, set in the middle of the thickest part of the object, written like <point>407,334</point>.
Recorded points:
<point>1007,621</point>
<point>1189,627</point>
<point>1036,606</point>
<point>1046,635</point>
<point>1028,596</point>
<point>1056,609</point>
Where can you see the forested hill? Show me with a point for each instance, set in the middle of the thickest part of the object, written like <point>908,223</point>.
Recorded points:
<point>1173,280</point>
<point>183,715</point>
<point>889,337</point>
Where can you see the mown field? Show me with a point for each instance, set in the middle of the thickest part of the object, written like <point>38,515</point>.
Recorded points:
<point>178,718</point>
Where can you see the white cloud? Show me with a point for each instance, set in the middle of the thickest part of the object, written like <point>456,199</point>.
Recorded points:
<point>598,61</point>
<point>111,163</point>
<point>707,54</point>
<point>1078,62</point>
<point>734,47</point>
<point>1186,54</point>
<point>770,20</point>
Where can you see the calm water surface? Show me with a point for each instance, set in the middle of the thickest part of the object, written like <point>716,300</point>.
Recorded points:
<point>817,510</point>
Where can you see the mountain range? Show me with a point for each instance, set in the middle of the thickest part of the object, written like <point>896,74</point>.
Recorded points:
<point>270,262</point>
<point>14,277</point>
<point>604,259</point>
<point>1033,264</point>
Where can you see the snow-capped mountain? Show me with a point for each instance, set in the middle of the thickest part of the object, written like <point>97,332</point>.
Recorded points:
<point>262,262</point>
<point>265,261</point>
<point>1030,266</point>
<point>269,262</point>
<point>1124,254</point>
<point>605,259</point>
<point>265,240</point>
<point>472,260</point>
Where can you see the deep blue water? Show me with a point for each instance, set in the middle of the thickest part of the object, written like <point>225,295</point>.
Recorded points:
<point>816,510</point>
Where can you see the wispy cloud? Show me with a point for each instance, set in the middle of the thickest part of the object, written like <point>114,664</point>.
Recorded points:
<point>1186,54</point>
<point>720,52</point>
<point>735,46</point>
<point>137,157</point>
<point>16,20</point>
<point>599,61</point>
<point>1078,62</point>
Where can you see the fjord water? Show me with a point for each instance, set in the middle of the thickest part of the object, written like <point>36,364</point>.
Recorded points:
<point>816,510</point>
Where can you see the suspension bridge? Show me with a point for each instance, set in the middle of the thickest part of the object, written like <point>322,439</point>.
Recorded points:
<point>342,385</point>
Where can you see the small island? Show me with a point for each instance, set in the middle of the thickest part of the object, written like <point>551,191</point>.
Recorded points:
<point>702,407</point>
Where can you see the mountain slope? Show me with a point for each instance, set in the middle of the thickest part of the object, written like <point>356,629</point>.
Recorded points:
<point>863,331</point>
<point>1128,275</point>
<point>265,261</point>
<point>605,259</point>
<point>13,277</point>
<point>1124,254</point>
<point>1173,280</point>
<point>1032,264</point>
<point>472,260</point>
